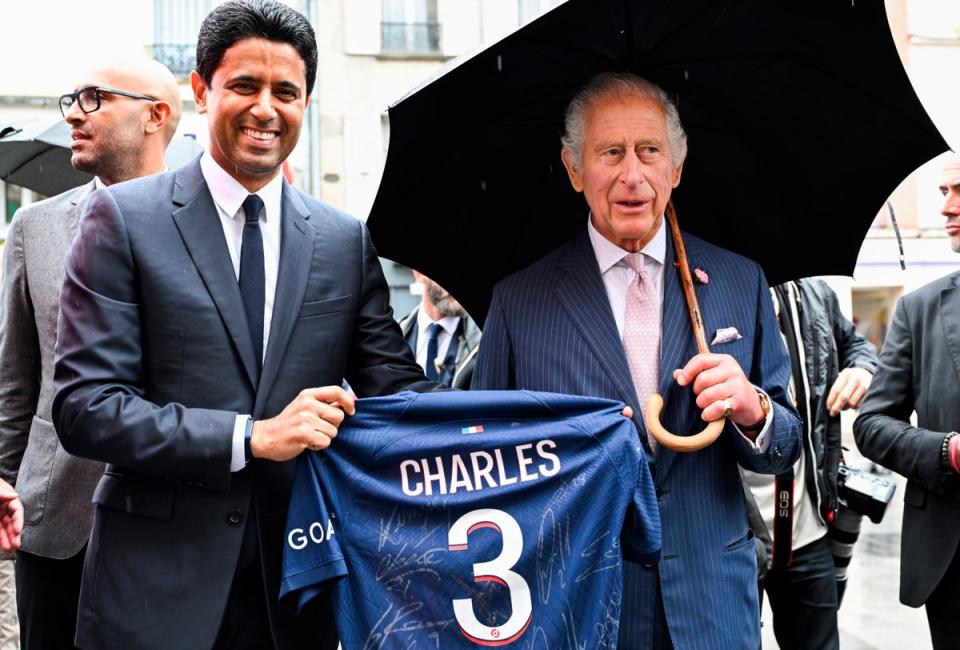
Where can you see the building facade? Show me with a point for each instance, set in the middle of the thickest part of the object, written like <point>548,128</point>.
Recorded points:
<point>372,52</point>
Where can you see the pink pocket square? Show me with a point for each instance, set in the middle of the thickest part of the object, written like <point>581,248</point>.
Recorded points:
<point>725,335</point>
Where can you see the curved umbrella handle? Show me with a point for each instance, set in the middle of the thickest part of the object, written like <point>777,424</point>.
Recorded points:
<point>651,416</point>
<point>696,442</point>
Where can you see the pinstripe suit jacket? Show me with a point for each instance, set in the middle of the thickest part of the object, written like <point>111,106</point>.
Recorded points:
<point>550,327</point>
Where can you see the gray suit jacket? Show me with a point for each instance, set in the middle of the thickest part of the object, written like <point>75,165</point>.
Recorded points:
<point>919,371</point>
<point>55,487</point>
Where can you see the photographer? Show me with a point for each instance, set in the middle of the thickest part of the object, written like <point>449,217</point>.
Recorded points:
<point>919,372</point>
<point>832,367</point>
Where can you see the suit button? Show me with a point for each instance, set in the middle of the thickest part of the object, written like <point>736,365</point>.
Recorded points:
<point>777,453</point>
<point>235,517</point>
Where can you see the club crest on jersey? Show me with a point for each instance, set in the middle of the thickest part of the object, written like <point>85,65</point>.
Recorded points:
<point>476,429</point>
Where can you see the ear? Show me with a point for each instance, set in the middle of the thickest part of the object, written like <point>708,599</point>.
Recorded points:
<point>199,91</point>
<point>157,117</point>
<point>418,276</point>
<point>576,179</point>
<point>677,173</point>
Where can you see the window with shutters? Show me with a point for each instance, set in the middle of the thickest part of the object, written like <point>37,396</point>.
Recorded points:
<point>410,27</point>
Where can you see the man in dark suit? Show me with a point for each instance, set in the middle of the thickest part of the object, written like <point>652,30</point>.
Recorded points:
<point>587,320</point>
<point>444,339</point>
<point>208,318</point>
<point>920,372</point>
<point>116,137</point>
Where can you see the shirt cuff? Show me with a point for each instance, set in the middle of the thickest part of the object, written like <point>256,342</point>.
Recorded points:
<point>762,443</point>
<point>237,459</point>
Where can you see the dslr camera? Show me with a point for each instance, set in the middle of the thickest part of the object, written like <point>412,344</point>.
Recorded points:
<point>864,493</point>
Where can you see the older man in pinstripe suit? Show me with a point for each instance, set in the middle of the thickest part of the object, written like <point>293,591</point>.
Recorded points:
<point>587,319</point>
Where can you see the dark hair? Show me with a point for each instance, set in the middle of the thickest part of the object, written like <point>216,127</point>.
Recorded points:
<point>240,19</point>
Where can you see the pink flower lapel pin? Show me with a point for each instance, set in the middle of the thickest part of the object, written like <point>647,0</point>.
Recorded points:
<point>701,276</point>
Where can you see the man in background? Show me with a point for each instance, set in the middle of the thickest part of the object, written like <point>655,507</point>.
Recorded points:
<point>832,367</point>
<point>122,116</point>
<point>442,336</point>
<point>920,372</point>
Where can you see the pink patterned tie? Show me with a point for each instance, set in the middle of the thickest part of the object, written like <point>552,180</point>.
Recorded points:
<point>641,333</point>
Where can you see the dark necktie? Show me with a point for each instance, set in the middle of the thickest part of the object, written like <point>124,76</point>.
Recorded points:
<point>433,332</point>
<point>252,283</point>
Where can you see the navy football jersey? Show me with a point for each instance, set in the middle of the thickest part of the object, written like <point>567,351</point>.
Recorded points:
<point>465,519</point>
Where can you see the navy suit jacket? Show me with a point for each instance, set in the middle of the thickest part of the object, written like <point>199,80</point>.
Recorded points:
<point>154,362</point>
<point>550,328</point>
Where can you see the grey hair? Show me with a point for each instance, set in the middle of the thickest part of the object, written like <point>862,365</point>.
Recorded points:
<point>621,85</point>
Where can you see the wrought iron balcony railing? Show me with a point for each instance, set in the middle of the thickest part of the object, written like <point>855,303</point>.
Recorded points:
<point>181,58</point>
<point>410,38</point>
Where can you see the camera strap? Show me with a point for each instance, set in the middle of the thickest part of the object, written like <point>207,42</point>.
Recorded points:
<point>788,309</point>
<point>783,521</point>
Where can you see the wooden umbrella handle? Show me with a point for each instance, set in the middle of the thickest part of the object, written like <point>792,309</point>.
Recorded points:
<point>651,416</point>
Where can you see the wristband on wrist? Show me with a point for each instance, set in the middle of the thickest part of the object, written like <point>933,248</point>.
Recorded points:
<point>946,462</point>
<point>247,435</point>
<point>954,445</point>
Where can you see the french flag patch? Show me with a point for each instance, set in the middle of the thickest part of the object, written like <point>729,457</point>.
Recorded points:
<point>476,429</point>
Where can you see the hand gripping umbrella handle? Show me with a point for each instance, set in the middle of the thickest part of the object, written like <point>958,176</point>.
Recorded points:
<point>651,415</point>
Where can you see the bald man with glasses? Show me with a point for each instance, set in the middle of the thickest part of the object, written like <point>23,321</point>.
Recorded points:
<point>122,118</point>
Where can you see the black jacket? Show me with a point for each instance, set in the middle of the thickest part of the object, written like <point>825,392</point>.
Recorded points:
<point>830,344</point>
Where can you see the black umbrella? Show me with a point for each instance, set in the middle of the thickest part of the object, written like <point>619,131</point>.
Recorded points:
<point>801,122</point>
<point>36,154</point>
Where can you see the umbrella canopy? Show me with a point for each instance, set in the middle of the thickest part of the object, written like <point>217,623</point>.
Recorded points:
<point>36,154</point>
<point>800,117</point>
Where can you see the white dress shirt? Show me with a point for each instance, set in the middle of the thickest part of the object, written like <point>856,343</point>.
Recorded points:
<point>228,195</point>
<point>617,276</point>
<point>448,325</point>
<point>807,524</point>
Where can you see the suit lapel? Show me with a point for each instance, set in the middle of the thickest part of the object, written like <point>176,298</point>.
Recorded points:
<point>76,208</point>
<point>296,259</point>
<point>950,318</point>
<point>583,296</point>
<point>198,221</point>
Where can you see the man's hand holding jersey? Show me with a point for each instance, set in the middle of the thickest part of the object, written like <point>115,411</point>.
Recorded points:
<point>310,421</point>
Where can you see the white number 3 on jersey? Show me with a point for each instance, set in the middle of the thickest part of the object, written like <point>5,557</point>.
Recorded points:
<point>497,570</point>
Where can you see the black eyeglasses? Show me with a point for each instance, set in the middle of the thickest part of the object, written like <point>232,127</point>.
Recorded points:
<point>89,98</point>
